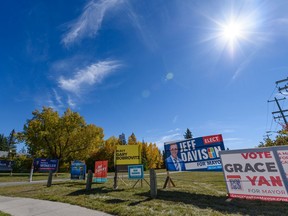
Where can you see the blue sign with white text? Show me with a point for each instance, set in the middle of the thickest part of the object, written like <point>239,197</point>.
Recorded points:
<point>196,154</point>
<point>78,170</point>
<point>6,165</point>
<point>45,165</point>
<point>135,172</point>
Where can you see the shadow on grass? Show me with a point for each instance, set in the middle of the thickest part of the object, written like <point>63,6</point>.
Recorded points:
<point>114,201</point>
<point>220,203</point>
<point>99,190</point>
<point>138,202</point>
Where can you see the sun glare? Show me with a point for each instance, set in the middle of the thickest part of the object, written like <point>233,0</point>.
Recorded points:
<point>233,31</point>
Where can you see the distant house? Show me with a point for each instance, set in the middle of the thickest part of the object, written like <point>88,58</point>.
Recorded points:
<point>3,154</point>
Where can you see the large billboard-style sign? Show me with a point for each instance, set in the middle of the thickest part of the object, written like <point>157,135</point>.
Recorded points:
<point>101,169</point>
<point>127,154</point>
<point>259,173</point>
<point>45,165</point>
<point>6,165</point>
<point>196,154</point>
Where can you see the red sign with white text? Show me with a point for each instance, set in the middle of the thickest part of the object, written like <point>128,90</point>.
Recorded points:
<point>101,168</point>
<point>212,139</point>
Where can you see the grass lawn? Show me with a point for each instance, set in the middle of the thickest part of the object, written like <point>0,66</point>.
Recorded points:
<point>4,214</point>
<point>196,193</point>
<point>25,177</point>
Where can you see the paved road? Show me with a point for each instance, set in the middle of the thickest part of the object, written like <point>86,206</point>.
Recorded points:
<point>33,207</point>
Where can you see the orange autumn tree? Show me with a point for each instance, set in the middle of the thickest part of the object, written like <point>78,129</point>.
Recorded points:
<point>151,155</point>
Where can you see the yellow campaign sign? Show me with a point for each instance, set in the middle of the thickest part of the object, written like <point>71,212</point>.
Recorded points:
<point>127,154</point>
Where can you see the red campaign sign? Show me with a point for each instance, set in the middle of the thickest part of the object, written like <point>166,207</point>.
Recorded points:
<point>212,139</point>
<point>101,168</point>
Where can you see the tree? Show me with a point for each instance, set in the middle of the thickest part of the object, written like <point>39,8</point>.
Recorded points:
<point>122,139</point>
<point>65,138</point>
<point>3,143</point>
<point>132,139</point>
<point>188,134</point>
<point>280,139</point>
<point>105,152</point>
<point>11,142</point>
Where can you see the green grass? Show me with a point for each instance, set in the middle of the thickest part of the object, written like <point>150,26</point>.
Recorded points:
<point>196,193</point>
<point>25,177</point>
<point>4,214</point>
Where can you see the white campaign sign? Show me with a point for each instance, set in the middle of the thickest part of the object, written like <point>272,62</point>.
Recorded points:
<point>255,174</point>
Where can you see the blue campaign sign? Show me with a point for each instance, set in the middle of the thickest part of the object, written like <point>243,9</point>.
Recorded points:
<point>45,165</point>
<point>196,154</point>
<point>78,170</point>
<point>6,165</point>
<point>135,172</point>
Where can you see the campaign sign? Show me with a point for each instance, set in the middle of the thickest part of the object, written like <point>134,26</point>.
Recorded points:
<point>45,165</point>
<point>127,154</point>
<point>282,152</point>
<point>100,174</point>
<point>258,173</point>
<point>135,172</point>
<point>6,165</point>
<point>196,154</point>
<point>78,170</point>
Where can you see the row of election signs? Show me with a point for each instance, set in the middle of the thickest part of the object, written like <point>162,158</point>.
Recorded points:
<point>77,170</point>
<point>260,173</point>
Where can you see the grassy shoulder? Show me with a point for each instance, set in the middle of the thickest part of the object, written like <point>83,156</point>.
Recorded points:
<point>4,214</point>
<point>25,177</point>
<point>196,193</point>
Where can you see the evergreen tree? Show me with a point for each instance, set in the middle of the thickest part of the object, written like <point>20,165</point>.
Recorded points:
<point>122,139</point>
<point>3,143</point>
<point>11,142</point>
<point>188,134</point>
<point>132,139</point>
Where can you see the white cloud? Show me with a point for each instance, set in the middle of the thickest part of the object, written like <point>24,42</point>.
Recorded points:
<point>58,98</point>
<point>171,135</point>
<point>139,24</point>
<point>175,119</point>
<point>70,102</point>
<point>89,22</point>
<point>88,76</point>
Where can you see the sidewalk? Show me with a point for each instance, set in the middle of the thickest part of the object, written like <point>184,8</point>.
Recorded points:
<point>32,207</point>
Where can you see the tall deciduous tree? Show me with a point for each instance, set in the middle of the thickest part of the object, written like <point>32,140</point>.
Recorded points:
<point>65,137</point>
<point>105,152</point>
<point>188,134</point>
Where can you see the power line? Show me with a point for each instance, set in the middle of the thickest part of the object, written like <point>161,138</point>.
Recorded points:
<point>281,111</point>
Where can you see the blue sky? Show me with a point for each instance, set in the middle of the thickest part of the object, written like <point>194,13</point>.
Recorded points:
<point>153,67</point>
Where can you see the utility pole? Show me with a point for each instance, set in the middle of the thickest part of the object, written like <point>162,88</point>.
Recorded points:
<point>280,111</point>
<point>283,116</point>
<point>283,88</point>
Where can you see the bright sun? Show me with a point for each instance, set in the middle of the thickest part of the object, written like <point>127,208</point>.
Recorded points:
<point>232,31</point>
<point>235,30</point>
